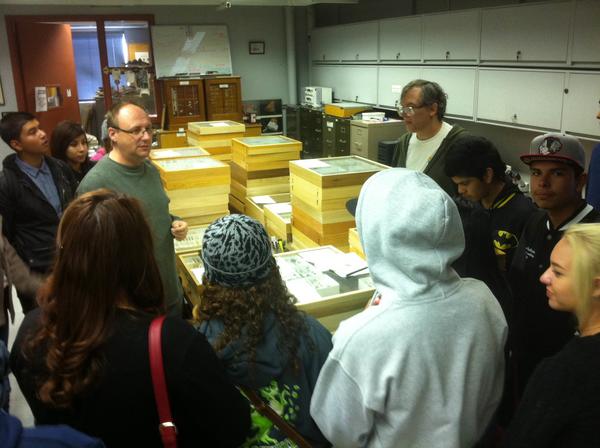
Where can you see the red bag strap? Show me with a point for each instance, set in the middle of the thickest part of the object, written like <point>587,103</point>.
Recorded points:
<point>167,428</point>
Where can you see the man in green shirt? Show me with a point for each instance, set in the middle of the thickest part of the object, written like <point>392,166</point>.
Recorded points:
<point>127,170</point>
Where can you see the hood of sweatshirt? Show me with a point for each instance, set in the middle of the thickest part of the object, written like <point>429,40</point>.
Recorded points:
<point>411,233</point>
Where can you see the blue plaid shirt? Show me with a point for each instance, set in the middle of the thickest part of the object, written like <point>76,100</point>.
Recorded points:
<point>42,178</point>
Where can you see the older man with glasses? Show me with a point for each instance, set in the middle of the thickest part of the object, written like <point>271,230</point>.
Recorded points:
<point>127,170</point>
<point>424,147</point>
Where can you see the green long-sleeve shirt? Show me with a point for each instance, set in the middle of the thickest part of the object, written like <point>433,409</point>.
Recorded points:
<point>143,183</point>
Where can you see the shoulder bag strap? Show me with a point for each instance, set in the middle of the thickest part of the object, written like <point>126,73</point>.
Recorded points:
<point>167,429</point>
<point>266,411</point>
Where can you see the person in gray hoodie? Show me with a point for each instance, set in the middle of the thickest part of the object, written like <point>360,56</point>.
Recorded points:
<point>423,365</point>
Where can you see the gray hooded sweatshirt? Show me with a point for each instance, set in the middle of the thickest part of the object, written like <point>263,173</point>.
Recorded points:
<point>424,367</point>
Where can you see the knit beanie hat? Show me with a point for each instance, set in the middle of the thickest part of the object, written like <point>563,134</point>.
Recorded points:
<point>236,252</point>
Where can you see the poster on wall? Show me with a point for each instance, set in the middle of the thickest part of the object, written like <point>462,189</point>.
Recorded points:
<point>41,99</point>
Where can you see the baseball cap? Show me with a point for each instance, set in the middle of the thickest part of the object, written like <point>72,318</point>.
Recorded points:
<point>557,147</point>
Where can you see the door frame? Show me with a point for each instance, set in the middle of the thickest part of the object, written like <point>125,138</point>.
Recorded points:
<point>16,63</point>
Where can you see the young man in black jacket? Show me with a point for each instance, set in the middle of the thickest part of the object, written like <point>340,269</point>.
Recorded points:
<point>475,166</point>
<point>557,164</point>
<point>34,190</point>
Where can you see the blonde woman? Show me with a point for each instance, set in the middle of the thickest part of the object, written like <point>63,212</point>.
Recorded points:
<point>561,405</point>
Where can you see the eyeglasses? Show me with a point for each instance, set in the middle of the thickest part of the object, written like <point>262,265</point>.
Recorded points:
<point>409,111</point>
<point>136,132</point>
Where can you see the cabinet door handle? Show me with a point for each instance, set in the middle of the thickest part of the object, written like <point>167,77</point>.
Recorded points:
<point>397,56</point>
<point>356,99</point>
<point>323,56</point>
<point>518,55</point>
<point>514,118</point>
<point>447,54</point>
<point>357,56</point>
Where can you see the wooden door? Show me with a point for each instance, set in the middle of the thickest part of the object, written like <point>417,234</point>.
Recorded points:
<point>46,57</point>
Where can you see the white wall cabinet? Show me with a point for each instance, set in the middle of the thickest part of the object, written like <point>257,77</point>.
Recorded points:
<point>459,84</point>
<point>358,42</point>
<point>521,97</point>
<point>586,32</point>
<point>451,36</point>
<point>400,39</point>
<point>582,103</point>
<point>324,45</point>
<point>349,83</point>
<point>391,81</point>
<point>532,33</point>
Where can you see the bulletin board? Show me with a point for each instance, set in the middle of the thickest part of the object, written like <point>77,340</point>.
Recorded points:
<point>191,50</point>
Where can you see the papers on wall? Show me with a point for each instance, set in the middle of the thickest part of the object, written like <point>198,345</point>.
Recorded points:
<point>41,99</point>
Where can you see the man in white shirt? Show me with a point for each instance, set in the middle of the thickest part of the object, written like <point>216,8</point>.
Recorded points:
<point>424,146</point>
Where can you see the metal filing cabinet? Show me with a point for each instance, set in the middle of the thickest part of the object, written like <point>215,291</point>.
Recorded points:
<point>291,121</point>
<point>336,136</point>
<point>365,136</point>
<point>311,132</point>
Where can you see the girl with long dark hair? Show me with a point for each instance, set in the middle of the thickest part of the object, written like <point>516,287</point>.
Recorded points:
<point>82,358</point>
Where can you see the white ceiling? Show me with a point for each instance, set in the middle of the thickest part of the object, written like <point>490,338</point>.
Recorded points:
<point>233,3</point>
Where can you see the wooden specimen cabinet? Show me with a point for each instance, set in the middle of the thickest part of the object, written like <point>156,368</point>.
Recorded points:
<point>223,98</point>
<point>184,101</point>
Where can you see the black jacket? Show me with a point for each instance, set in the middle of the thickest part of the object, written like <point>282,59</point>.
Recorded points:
<point>30,221</point>
<point>539,331</point>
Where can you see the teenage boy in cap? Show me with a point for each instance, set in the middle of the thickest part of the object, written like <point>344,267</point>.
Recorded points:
<point>557,164</point>
<point>475,166</point>
<point>34,190</point>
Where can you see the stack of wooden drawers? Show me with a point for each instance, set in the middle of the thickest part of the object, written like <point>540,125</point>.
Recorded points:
<point>215,136</point>
<point>197,186</point>
<point>260,166</point>
<point>320,189</point>
<point>278,221</point>
<point>355,244</point>
<point>255,204</point>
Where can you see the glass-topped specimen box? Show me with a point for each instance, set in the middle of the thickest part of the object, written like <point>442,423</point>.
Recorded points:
<point>278,220</point>
<point>266,152</point>
<point>215,136</point>
<point>255,204</point>
<point>190,270</point>
<point>320,292</point>
<point>177,153</point>
<point>193,240</point>
<point>193,172</point>
<point>216,127</point>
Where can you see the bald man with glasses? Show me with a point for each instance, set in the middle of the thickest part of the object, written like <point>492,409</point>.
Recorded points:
<point>128,170</point>
<point>424,147</point>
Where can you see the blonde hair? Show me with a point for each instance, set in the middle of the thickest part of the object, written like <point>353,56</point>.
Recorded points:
<point>584,240</point>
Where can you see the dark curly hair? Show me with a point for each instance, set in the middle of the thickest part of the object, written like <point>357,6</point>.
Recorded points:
<point>243,310</point>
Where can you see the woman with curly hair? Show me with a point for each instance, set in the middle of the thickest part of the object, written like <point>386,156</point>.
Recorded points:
<point>69,144</point>
<point>82,357</point>
<point>561,404</point>
<point>265,343</point>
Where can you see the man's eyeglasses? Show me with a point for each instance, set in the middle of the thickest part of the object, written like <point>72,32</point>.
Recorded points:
<point>409,111</point>
<point>136,132</point>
